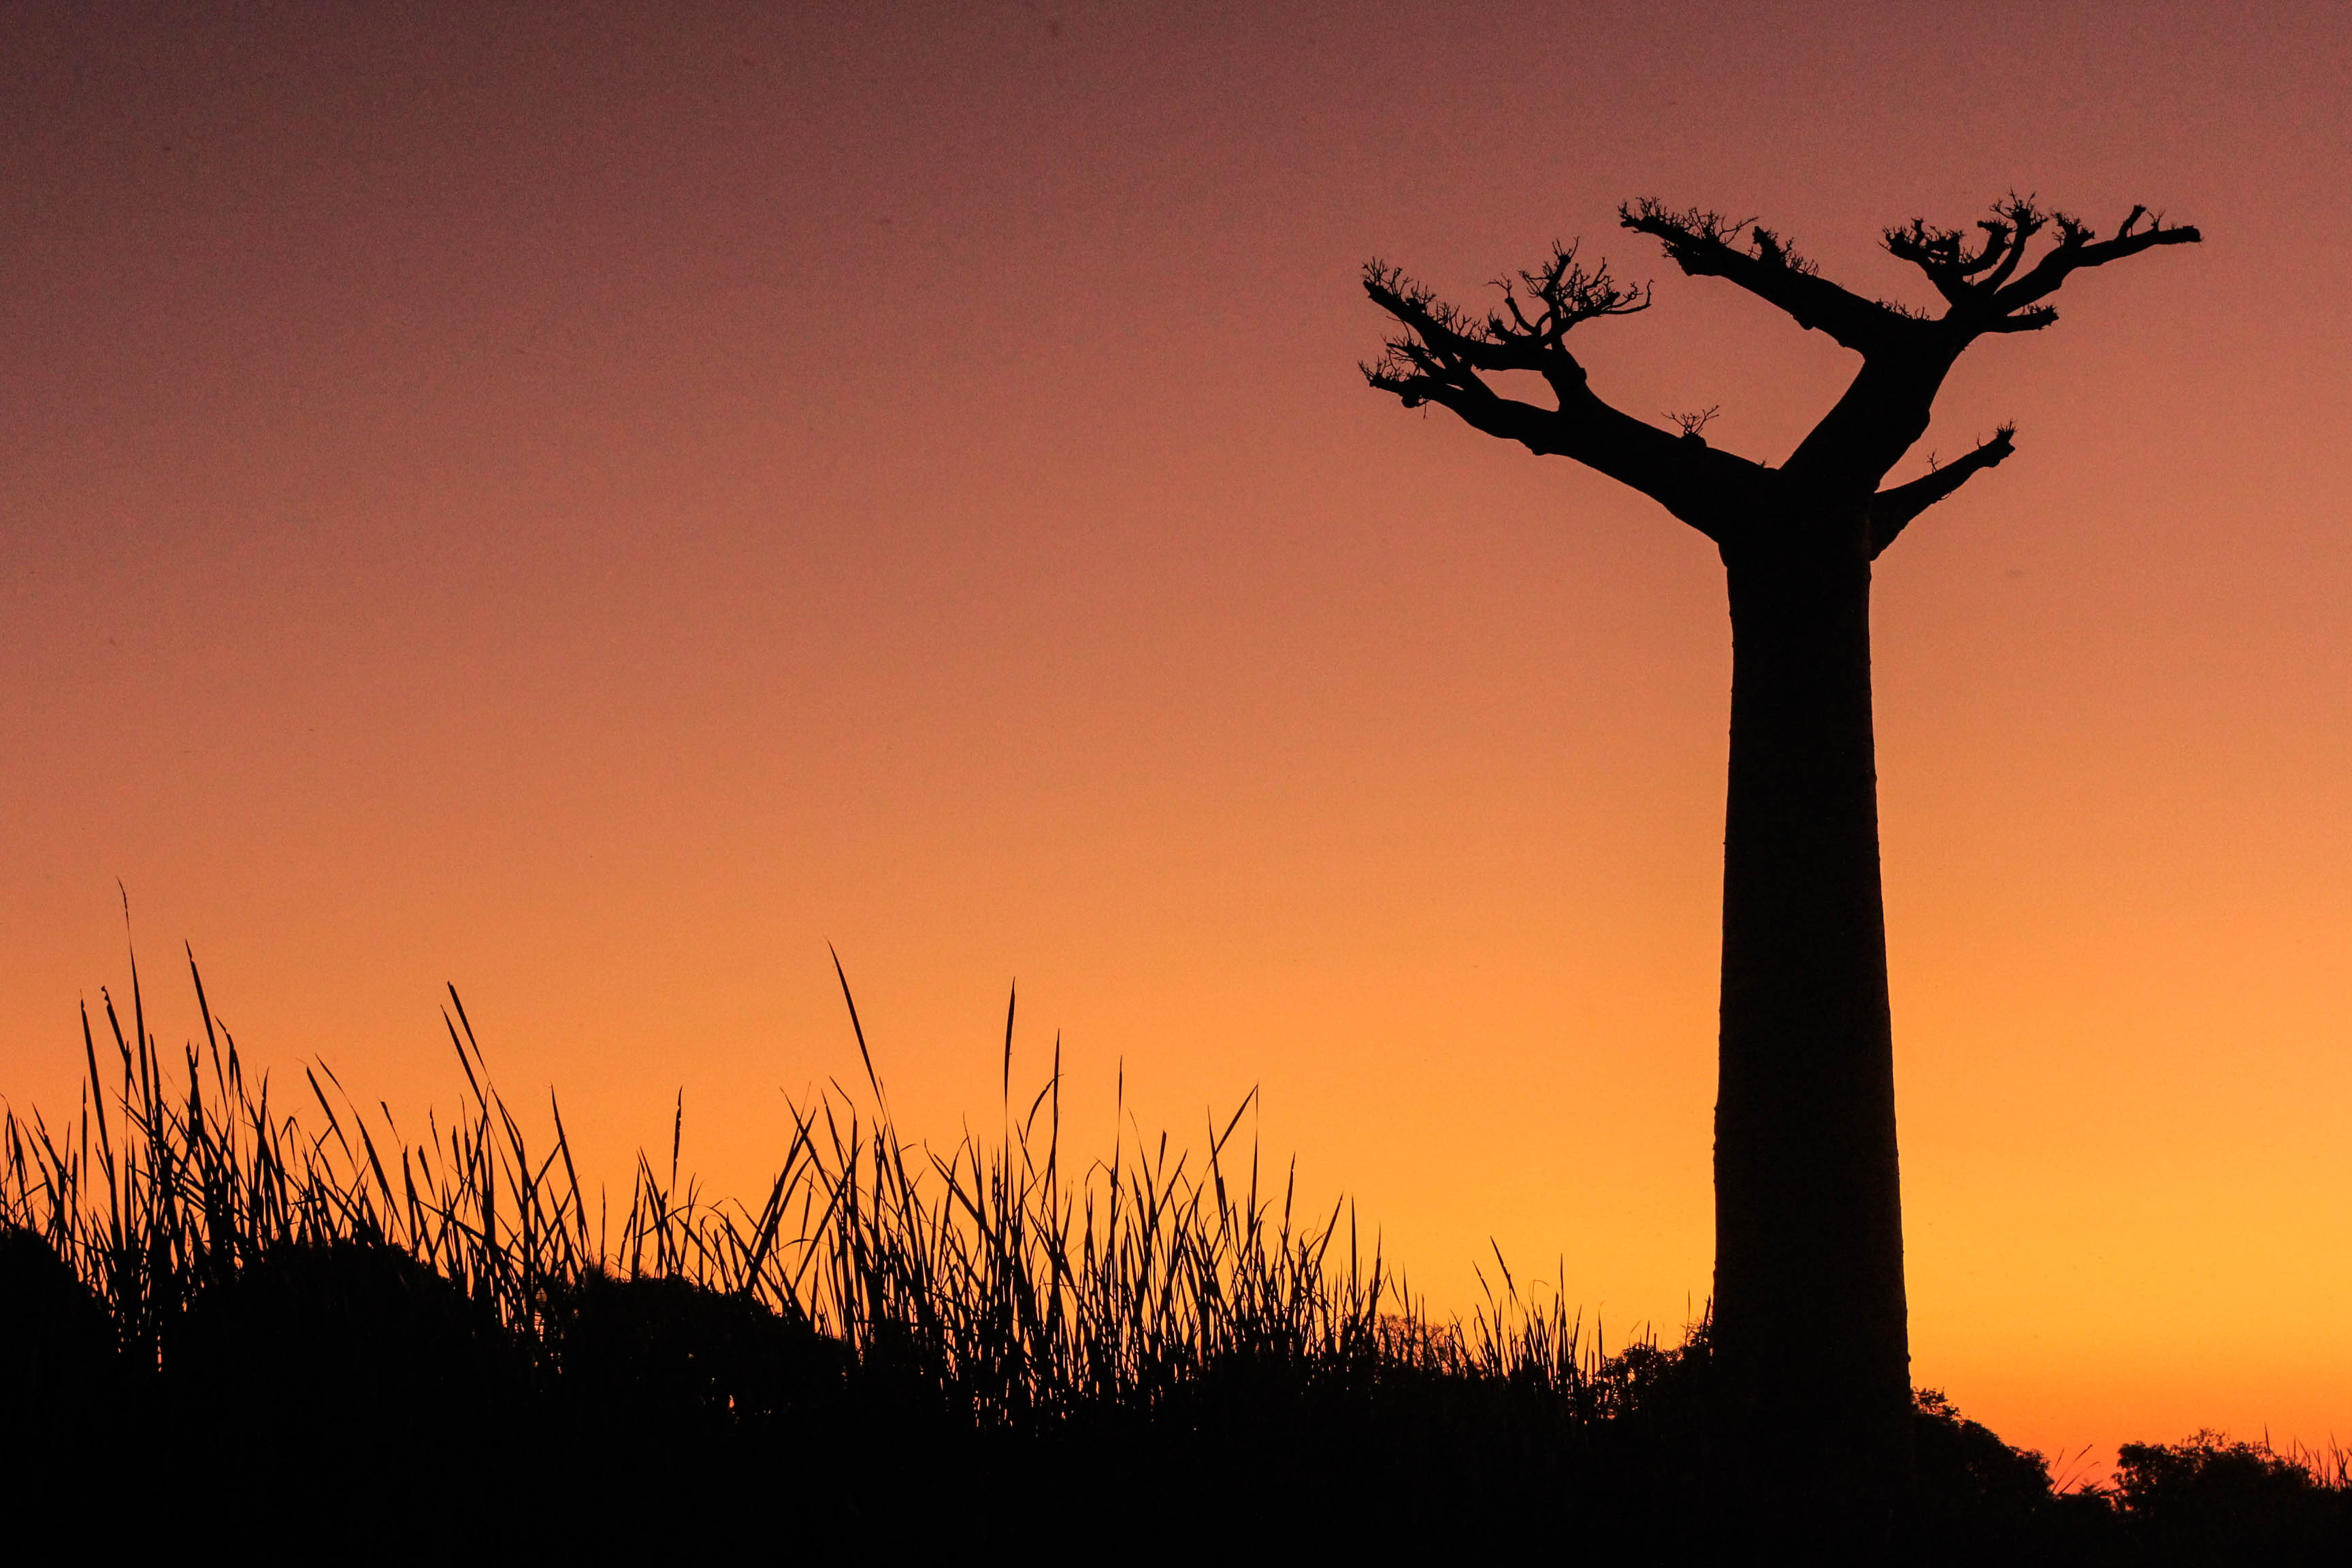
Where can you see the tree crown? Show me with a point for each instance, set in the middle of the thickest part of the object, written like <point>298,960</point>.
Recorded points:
<point>1443,354</point>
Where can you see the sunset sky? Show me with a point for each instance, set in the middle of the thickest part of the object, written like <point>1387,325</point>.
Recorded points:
<point>592,506</point>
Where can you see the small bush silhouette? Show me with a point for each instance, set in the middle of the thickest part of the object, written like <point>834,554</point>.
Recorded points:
<point>2210,1500</point>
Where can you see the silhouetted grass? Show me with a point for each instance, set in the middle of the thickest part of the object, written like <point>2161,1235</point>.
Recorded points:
<point>209,1305</point>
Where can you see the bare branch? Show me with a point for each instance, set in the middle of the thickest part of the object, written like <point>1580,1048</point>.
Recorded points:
<point>2077,248</point>
<point>1979,287</point>
<point>1567,295</point>
<point>1994,285</point>
<point>1416,380</point>
<point>1936,252</point>
<point>1892,510</point>
<point>1942,254</point>
<point>1995,278</point>
<point>1444,354</point>
<point>1706,244</point>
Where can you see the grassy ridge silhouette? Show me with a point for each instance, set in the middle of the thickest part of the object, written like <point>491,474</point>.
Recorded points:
<point>451,1339</point>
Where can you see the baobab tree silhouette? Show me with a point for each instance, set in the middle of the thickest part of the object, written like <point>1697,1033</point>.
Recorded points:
<point>1809,1339</point>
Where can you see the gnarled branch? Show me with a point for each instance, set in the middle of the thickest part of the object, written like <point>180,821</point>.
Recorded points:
<point>1985,287</point>
<point>1527,333</point>
<point>1892,510</point>
<point>1943,255</point>
<point>1992,280</point>
<point>1706,244</point>
<point>1993,284</point>
<point>1444,354</point>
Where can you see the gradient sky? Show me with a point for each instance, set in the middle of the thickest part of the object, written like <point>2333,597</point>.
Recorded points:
<point>592,506</point>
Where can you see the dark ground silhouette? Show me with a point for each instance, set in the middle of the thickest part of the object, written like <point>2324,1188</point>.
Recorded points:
<point>1809,1231</point>
<point>332,1338</point>
<point>342,1392</point>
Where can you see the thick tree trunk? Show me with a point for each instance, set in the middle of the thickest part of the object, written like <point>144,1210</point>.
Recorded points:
<point>1810,1337</point>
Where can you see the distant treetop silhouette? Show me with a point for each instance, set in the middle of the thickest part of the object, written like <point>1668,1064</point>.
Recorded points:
<point>1810,1340</point>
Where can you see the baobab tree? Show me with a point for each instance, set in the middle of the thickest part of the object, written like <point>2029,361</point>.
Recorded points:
<point>1811,1342</point>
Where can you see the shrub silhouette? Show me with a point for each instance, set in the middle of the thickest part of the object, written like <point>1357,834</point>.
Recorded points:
<point>2212,1501</point>
<point>1980,1497</point>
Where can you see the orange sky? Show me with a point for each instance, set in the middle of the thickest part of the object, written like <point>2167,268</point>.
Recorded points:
<point>593,509</point>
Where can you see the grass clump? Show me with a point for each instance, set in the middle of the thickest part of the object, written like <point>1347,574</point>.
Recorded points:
<point>206,1301</point>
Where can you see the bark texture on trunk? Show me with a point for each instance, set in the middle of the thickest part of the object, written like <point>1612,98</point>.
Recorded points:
<point>1811,1341</point>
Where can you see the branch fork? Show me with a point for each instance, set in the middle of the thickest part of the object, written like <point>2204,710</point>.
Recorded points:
<point>1990,279</point>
